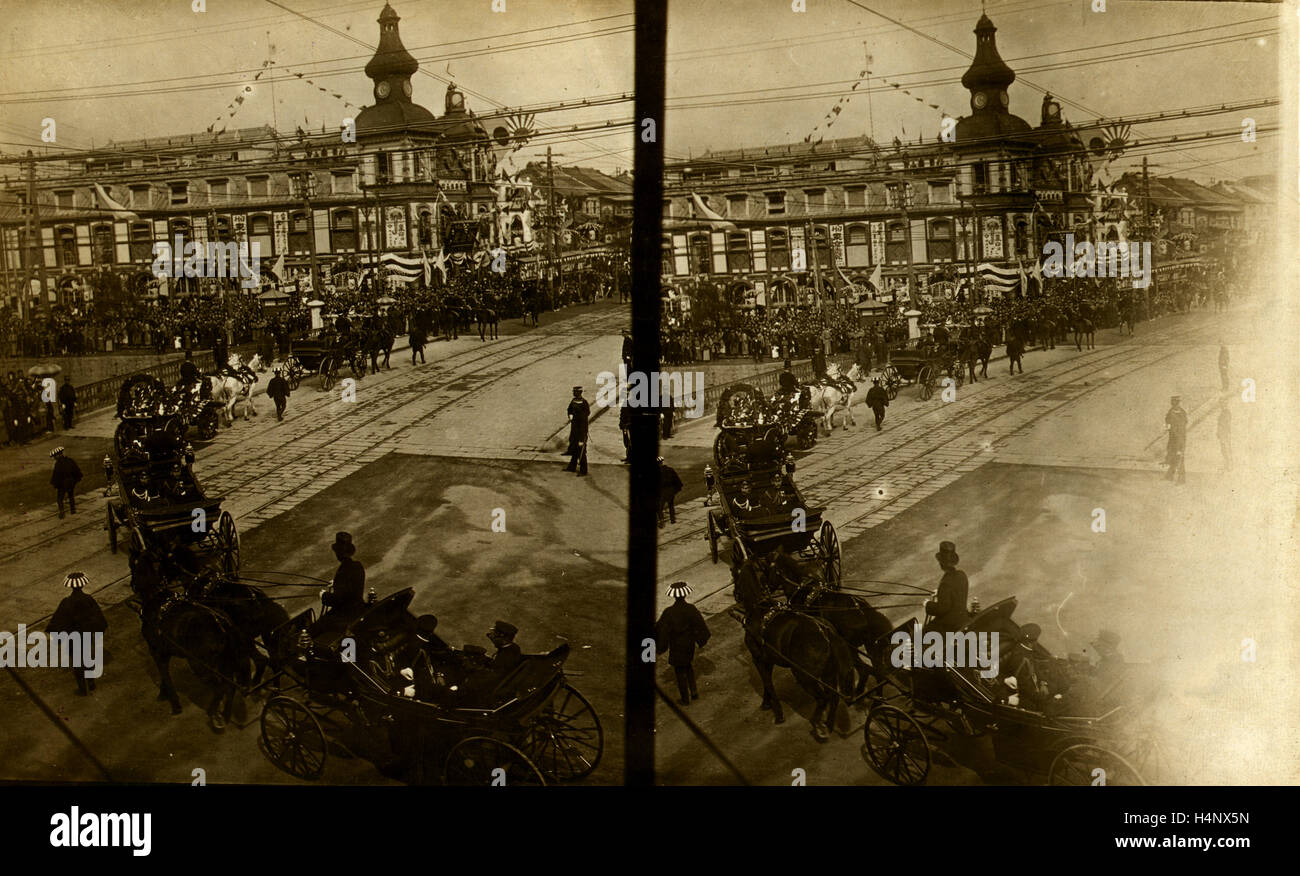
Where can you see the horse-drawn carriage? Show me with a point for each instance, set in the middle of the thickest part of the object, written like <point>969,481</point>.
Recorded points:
<point>925,364</point>
<point>760,507</point>
<point>328,353</point>
<point>144,400</point>
<point>160,499</point>
<point>1097,731</point>
<point>466,725</point>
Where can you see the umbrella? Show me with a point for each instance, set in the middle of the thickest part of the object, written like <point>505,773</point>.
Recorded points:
<point>387,299</point>
<point>44,370</point>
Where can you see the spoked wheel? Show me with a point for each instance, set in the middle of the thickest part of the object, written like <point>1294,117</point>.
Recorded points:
<point>713,537</point>
<point>1088,764</point>
<point>293,374</point>
<point>925,380</point>
<point>293,738</point>
<point>891,386</point>
<point>208,423</point>
<point>896,745</point>
<point>831,555</point>
<point>565,739</point>
<point>225,539</point>
<point>327,374</point>
<point>483,761</point>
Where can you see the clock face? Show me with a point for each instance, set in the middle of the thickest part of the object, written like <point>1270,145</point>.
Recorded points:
<point>1005,98</point>
<point>406,87</point>
<point>383,89</point>
<point>981,100</point>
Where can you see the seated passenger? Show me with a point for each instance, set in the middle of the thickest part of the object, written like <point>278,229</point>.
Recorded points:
<point>508,655</point>
<point>1024,666</point>
<point>744,501</point>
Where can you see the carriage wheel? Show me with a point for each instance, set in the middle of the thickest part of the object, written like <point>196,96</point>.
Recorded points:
<point>738,555</point>
<point>1088,764</point>
<point>713,538</point>
<point>294,378</point>
<point>293,738</point>
<point>896,745</point>
<point>959,375</point>
<point>808,436</point>
<point>565,739</point>
<point>112,529</point>
<point>225,539</point>
<point>208,423</point>
<point>326,374</point>
<point>476,760</point>
<point>925,380</point>
<point>831,555</point>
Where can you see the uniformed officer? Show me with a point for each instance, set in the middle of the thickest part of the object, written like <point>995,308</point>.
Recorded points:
<point>579,413</point>
<point>1176,451</point>
<point>78,613</point>
<point>947,611</point>
<point>64,479</point>
<point>877,400</point>
<point>680,630</point>
<point>508,654</point>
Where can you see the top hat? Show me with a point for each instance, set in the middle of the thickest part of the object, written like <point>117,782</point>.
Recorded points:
<point>505,629</point>
<point>947,550</point>
<point>425,624</point>
<point>680,589</point>
<point>343,545</point>
<point>1030,632</point>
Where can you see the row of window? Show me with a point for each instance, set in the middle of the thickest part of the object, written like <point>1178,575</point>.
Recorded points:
<point>850,196</point>
<point>140,237</point>
<point>180,193</point>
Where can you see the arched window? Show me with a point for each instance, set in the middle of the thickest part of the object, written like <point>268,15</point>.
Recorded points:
<point>141,242</point>
<point>738,258</point>
<point>343,231</point>
<point>1022,238</point>
<point>299,229</point>
<point>426,228</point>
<point>941,241</point>
<point>821,248</point>
<point>259,232</point>
<point>896,243</point>
<point>65,242</point>
<point>101,244</point>
<point>700,254</point>
<point>778,249</point>
<point>857,249</point>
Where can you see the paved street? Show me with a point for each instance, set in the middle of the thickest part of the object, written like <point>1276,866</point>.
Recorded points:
<point>415,469</point>
<point>1012,472</point>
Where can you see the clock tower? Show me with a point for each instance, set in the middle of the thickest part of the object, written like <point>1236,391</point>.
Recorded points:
<point>988,76</point>
<point>392,66</point>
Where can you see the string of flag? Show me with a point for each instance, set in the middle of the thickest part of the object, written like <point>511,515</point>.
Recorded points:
<point>834,113</point>
<point>235,105</point>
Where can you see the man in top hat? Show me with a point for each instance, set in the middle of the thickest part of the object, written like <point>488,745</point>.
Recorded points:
<point>64,479</point>
<point>947,611</point>
<point>680,630</point>
<point>670,484</point>
<point>1176,451</point>
<point>579,413</point>
<point>877,400</point>
<point>78,613</point>
<point>347,593</point>
<point>508,654</point>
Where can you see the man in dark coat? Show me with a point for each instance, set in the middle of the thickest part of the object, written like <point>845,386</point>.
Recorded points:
<point>625,426</point>
<point>670,484</point>
<point>278,390</point>
<point>681,628</point>
<point>78,613</point>
<point>220,354</point>
<point>417,340</point>
<point>947,611</point>
<point>508,654</point>
<point>819,363</point>
<point>877,400</point>
<point>579,413</point>
<point>627,350</point>
<point>68,400</point>
<point>1176,451</point>
<point>64,479</point>
<point>1015,350</point>
<point>347,593</point>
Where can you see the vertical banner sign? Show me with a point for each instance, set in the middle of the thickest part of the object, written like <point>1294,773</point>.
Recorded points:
<point>395,228</point>
<point>796,243</point>
<point>281,225</point>
<point>877,243</point>
<point>240,223</point>
<point>837,245</point>
<point>992,237</point>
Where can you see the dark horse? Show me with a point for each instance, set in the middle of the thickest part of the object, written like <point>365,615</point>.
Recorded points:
<point>822,662</point>
<point>856,622</point>
<point>1083,333</point>
<point>176,626</point>
<point>487,322</point>
<point>256,616</point>
<point>379,340</point>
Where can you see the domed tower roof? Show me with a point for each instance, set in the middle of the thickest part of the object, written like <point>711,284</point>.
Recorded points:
<point>987,70</point>
<point>987,80</point>
<point>391,57</point>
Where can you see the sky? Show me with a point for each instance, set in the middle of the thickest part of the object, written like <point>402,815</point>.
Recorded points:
<point>88,49</point>
<point>725,54</point>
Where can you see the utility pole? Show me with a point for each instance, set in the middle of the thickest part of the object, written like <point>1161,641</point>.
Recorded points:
<point>811,231</point>
<point>1150,232</point>
<point>307,182</point>
<point>33,229</point>
<point>903,194</point>
<point>554,220</point>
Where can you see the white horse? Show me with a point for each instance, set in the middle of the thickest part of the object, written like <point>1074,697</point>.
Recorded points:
<point>829,398</point>
<point>229,391</point>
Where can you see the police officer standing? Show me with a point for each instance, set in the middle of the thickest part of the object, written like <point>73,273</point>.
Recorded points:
<point>64,479</point>
<point>877,400</point>
<point>681,628</point>
<point>579,414</point>
<point>78,613</point>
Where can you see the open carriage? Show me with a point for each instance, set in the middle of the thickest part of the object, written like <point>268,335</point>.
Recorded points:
<point>1096,732</point>
<point>924,364</point>
<point>329,353</point>
<point>759,504</point>
<point>145,400</point>
<point>469,727</point>
<point>160,499</point>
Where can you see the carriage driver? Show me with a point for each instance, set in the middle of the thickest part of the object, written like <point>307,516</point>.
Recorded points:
<point>947,611</point>
<point>347,592</point>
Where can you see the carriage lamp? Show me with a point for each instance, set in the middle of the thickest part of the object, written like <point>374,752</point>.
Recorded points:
<point>371,596</point>
<point>304,642</point>
<point>108,474</point>
<point>789,463</point>
<point>975,605</point>
<point>708,483</point>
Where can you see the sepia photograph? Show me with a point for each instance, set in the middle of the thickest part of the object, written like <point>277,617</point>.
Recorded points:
<point>306,477</point>
<point>994,477</point>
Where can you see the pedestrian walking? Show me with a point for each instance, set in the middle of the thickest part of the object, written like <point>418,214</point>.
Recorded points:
<point>417,339</point>
<point>627,352</point>
<point>947,611</point>
<point>625,426</point>
<point>278,390</point>
<point>680,630</point>
<point>877,400</point>
<point>1223,366</point>
<point>1225,434</point>
<point>68,401</point>
<point>78,613</point>
<point>1015,350</point>
<point>1176,450</point>
<point>670,484</point>
<point>579,415</point>
<point>64,479</point>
